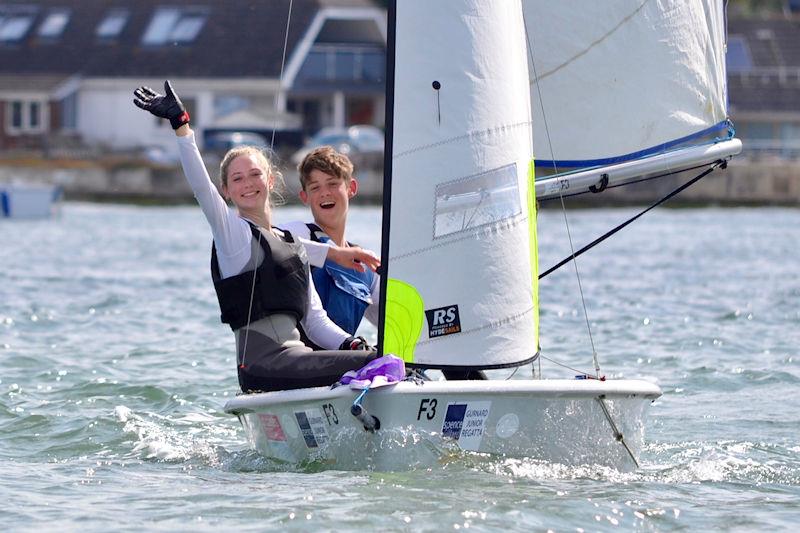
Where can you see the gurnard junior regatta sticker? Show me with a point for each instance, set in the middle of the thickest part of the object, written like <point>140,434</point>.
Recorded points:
<point>443,321</point>
<point>312,426</point>
<point>465,422</point>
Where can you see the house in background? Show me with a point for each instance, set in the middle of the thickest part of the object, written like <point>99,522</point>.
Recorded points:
<point>764,84</point>
<point>68,68</point>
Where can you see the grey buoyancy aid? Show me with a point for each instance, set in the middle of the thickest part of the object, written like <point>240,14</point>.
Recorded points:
<point>345,293</point>
<point>281,282</point>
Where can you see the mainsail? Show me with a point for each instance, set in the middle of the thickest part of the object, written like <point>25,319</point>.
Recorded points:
<point>623,90</point>
<point>459,216</point>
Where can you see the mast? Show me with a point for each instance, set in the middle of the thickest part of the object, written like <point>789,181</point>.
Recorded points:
<point>387,166</point>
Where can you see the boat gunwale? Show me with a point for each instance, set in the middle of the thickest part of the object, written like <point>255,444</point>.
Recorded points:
<point>557,388</point>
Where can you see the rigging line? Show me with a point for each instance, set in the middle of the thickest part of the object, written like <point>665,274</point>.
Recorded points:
<point>271,149</point>
<point>250,305</point>
<point>581,372</point>
<point>618,436</point>
<point>561,196</point>
<point>280,77</point>
<point>630,220</point>
<point>511,375</point>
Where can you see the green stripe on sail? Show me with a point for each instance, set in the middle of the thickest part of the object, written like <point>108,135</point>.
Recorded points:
<point>403,319</point>
<point>532,214</point>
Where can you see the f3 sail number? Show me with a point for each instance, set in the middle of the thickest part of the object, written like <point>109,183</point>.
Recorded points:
<point>427,408</point>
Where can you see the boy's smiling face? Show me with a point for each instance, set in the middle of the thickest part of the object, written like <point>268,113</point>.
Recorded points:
<point>329,198</point>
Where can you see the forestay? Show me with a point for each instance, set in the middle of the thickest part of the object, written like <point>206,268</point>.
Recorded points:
<point>630,88</point>
<point>461,268</point>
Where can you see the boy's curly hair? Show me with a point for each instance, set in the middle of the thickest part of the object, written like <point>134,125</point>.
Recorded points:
<point>327,160</point>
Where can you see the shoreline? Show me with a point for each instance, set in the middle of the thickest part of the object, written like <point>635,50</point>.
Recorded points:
<point>746,182</point>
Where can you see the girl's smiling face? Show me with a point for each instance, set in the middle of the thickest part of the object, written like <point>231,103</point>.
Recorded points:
<point>248,183</point>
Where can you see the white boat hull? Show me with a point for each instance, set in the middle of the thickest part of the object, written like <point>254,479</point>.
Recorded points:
<point>28,200</point>
<point>560,421</point>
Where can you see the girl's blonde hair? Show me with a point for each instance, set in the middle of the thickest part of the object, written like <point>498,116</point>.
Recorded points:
<point>276,194</point>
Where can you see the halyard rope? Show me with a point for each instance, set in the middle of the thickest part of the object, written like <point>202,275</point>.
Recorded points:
<point>271,149</point>
<point>561,197</point>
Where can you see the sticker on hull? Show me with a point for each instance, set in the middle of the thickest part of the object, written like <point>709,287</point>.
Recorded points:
<point>466,423</point>
<point>312,427</point>
<point>276,438</point>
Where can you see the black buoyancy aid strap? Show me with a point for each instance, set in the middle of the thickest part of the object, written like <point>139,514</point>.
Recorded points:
<point>279,284</point>
<point>316,233</point>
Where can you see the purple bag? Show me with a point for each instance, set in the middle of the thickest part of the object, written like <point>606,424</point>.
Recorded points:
<point>378,372</point>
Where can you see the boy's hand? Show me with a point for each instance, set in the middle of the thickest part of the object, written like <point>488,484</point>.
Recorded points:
<point>354,257</point>
<point>355,343</point>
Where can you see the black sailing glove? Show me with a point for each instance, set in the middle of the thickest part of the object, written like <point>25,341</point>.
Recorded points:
<point>167,106</point>
<point>355,343</point>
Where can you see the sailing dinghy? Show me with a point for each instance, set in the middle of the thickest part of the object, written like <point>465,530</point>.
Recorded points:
<point>459,251</point>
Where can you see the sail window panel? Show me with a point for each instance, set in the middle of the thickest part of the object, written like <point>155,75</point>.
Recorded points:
<point>174,25</point>
<point>14,27</point>
<point>468,203</point>
<point>113,24</point>
<point>53,24</point>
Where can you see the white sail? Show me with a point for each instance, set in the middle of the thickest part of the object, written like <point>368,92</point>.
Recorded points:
<point>461,264</point>
<point>626,80</point>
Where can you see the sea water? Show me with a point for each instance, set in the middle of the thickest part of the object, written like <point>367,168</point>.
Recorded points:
<point>114,370</point>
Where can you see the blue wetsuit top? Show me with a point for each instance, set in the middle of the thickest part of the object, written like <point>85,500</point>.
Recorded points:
<point>344,292</point>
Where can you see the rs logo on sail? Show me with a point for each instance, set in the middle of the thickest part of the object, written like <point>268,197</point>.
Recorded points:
<point>443,321</point>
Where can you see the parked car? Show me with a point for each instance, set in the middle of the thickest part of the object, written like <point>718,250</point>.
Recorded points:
<point>353,141</point>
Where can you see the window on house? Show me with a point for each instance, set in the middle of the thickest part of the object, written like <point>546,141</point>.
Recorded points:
<point>112,25</point>
<point>738,57</point>
<point>339,63</point>
<point>69,112</point>
<point>14,26</point>
<point>174,25</point>
<point>790,139</point>
<point>53,24</point>
<point>16,115</point>
<point>25,116</point>
<point>225,105</point>
<point>760,130</point>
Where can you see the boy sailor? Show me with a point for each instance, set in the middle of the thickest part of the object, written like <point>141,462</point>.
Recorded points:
<point>327,185</point>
